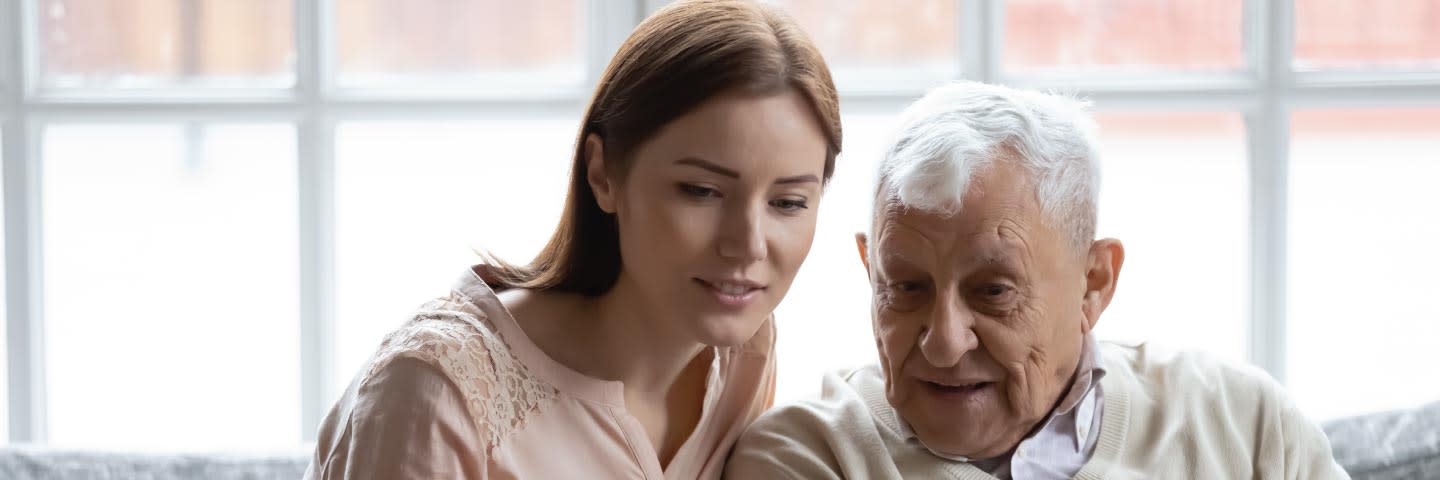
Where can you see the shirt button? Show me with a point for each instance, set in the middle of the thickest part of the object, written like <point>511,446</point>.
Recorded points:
<point>1020,453</point>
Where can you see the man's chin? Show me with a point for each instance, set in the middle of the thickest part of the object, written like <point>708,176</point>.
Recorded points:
<point>969,448</point>
<point>959,437</point>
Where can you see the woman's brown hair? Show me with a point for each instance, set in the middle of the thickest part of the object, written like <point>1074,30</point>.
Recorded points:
<point>683,55</point>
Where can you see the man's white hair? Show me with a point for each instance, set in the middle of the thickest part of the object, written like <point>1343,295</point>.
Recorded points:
<point>958,129</point>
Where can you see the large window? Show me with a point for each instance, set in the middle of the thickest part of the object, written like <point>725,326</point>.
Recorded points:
<point>218,206</point>
<point>170,288</point>
<point>1364,247</point>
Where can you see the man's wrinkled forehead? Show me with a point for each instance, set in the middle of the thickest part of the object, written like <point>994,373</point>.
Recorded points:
<point>933,225</point>
<point>917,237</point>
<point>984,234</point>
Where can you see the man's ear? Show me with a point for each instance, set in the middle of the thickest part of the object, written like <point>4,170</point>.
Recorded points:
<point>1102,274</point>
<point>596,175</point>
<point>862,244</point>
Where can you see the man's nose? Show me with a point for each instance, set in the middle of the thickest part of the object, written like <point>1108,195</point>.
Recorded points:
<point>950,332</point>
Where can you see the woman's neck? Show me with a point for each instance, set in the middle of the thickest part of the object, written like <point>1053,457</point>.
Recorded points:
<point>634,344</point>
<point>610,337</point>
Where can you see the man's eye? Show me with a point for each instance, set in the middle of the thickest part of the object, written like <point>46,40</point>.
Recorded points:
<point>904,295</point>
<point>996,290</point>
<point>995,293</point>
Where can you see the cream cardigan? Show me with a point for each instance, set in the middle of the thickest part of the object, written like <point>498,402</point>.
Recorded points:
<point>1166,415</point>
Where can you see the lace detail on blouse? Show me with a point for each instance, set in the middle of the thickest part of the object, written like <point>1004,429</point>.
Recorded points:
<point>453,335</point>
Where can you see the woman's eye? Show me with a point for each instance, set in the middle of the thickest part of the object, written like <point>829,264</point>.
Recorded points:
<point>906,287</point>
<point>789,204</point>
<point>698,191</point>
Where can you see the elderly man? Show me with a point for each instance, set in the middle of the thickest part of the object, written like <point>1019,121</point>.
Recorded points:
<point>987,282</point>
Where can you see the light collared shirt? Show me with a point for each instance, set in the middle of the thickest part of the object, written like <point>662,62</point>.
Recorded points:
<point>1063,443</point>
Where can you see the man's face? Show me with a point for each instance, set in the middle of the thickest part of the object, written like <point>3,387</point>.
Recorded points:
<point>979,316</point>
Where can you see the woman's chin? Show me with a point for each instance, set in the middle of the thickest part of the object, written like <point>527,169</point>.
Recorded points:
<point>726,330</point>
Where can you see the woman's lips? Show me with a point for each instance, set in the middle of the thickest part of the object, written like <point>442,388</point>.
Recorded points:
<point>735,293</point>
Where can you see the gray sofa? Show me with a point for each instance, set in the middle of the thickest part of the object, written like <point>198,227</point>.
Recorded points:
<point>1389,445</point>
<point>34,463</point>
<point>1383,446</point>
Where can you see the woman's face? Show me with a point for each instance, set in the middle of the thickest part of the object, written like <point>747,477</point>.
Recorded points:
<point>717,213</point>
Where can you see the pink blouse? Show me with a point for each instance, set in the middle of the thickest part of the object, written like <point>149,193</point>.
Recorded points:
<point>459,391</point>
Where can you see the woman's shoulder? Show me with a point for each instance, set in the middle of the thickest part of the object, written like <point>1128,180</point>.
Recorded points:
<point>455,336</point>
<point>441,331</point>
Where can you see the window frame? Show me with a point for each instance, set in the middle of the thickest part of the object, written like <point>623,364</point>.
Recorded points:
<point>1265,92</point>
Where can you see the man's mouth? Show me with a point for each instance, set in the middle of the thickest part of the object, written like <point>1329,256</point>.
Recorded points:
<point>957,388</point>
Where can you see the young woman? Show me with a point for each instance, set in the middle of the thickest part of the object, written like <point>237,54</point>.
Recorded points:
<point>639,342</point>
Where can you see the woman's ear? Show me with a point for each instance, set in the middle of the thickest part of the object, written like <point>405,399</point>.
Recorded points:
<point>596,175</point>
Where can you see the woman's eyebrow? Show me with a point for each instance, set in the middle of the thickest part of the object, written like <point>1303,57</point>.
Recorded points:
<point>708,165</point>
<point>798,179</point>
<point>715,168</point>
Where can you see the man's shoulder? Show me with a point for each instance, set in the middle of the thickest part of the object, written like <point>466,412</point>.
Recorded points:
<point>1190,380</point>
<point>1231,412</point>
<point>818,437</point>
<point>840,404</point>
<point>1184,368</point>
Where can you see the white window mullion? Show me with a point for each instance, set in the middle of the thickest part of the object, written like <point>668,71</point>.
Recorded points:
<point>982,36</point>
<point>25,344</point>
<point>25,341</point>
<point>1363,95</point>
<point>649,6</point>
<point>1269,49</point>
<point>610,22</point>
<point>316,162</point>
<point>9,58</point>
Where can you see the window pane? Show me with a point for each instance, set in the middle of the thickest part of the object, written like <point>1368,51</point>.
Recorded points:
<point>165,43</point>
<point>416,200</point>
<point>388,42</point>
<point>1122,35</point>
<point>1174,189</point>
<point>1401,34</point>
<point>824,321</point>
<point>170,287</point>
<point>871,43</point>
<point>1364,328</point>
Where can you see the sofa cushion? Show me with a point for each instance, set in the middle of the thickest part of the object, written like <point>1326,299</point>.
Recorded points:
<point>40,463</point>
<point>1388,445</point>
